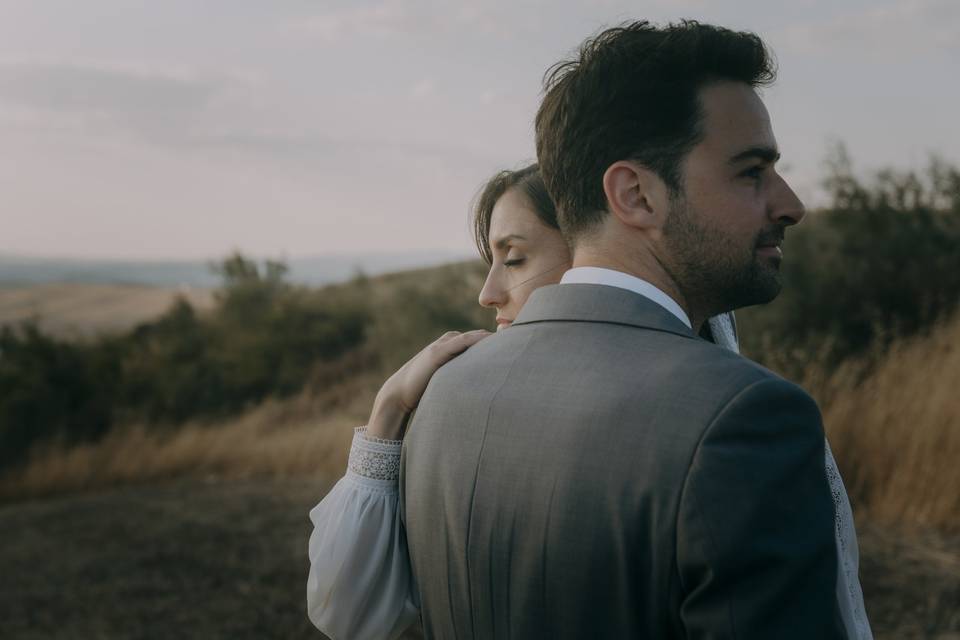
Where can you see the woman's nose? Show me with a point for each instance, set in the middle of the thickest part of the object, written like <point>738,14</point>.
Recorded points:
<point>493,293</point>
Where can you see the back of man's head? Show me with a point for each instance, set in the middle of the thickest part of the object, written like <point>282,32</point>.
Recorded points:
<point>632,94</point>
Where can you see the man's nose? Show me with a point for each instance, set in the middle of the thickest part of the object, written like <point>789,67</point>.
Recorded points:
<point>493,294</point>
<point>785,207</point>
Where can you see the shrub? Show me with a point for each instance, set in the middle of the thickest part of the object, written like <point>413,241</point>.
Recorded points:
<point>51,388</point>
<point>262,339</point>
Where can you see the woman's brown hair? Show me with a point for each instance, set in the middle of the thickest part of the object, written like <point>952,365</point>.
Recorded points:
<point>529,181</point>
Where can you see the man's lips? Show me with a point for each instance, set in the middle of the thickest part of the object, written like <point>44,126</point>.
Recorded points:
<point>770,250</point>
<point>770,243</point>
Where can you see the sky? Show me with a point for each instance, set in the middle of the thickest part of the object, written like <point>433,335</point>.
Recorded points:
<point>139,129</point>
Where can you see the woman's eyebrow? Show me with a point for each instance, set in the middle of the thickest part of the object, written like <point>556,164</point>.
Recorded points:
<point>502,242</point>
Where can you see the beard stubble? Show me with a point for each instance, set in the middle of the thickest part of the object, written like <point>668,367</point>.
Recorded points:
<point>715,271</point>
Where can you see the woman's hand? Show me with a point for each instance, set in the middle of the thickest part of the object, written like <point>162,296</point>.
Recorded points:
<point>401,393</point>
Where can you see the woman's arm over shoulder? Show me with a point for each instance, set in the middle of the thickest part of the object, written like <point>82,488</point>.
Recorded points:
<point>360,585</point>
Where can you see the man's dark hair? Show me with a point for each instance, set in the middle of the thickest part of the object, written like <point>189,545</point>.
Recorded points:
<point>632,94</point>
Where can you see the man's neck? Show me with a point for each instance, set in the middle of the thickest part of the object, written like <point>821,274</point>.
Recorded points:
<point>654,273</point>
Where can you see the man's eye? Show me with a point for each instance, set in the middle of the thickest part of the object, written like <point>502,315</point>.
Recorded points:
<point>754,173</point>
<point>514,262</point>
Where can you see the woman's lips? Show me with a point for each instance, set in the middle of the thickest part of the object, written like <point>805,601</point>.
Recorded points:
<point>503,322</point>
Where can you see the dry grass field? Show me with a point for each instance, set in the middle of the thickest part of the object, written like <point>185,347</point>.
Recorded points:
<point>896,432</point>
<point>308,435</point>
<point>200,531</point>
<point>75,309</point>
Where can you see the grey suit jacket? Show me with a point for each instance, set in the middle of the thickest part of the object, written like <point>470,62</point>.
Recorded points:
<point>597,471</point>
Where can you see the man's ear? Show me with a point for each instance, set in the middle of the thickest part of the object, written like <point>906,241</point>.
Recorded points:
<point>636,195</point>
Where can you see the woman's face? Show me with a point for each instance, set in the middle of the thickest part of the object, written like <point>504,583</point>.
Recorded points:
<point>527,254</point>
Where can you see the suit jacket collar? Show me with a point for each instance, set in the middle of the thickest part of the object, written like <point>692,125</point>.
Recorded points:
<point>598,303</point>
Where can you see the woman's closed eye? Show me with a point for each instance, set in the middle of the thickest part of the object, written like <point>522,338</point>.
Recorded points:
<point>513,262</point>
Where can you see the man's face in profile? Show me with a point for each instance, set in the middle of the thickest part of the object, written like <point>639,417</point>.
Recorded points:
<point>726,226</point>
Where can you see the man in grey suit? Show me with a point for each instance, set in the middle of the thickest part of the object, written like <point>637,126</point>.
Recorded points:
<point>597,470</point>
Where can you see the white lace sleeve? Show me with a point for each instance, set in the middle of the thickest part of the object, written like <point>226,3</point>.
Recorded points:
<point>360,585</point>
<point>849,594</point>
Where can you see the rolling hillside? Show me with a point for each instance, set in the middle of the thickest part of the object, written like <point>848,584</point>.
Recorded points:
<point>82,309</point>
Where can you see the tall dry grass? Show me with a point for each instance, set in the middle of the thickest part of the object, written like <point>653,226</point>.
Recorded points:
<point>308,434</point>
<point>895,431</point>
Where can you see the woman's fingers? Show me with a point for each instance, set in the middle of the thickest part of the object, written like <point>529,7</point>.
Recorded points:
<point>404,388</point>
<point>454,342</point>
<point>471,338</point>
<point>401,393</point>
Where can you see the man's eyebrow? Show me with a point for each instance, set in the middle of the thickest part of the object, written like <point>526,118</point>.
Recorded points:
<point>501,243</point>
<point>767,154</point>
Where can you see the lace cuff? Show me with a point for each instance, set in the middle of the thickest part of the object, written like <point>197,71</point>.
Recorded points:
<point>374,458</point>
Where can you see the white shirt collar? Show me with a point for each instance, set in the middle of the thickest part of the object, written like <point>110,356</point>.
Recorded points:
<point>611,278</point>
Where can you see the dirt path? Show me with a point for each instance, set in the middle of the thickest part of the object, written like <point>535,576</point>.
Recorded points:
<point>179,560</point>
<point>911,585</point>
<point>228,560</point>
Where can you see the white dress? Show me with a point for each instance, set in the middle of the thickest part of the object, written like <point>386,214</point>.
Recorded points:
<point>360,585</point>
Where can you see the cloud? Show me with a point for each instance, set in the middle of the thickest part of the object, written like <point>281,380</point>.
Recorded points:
<point>314,148</point>
<point>419,18</point>
<point>896,29</point>
<point>423,90</point>
<point>382,19</point>
<point>192,112</point>
<point>150,102</point>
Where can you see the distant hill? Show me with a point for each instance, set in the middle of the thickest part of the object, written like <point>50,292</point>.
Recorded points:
<point>72,309</point>
<point>73,298</point>
<point>319,270</point>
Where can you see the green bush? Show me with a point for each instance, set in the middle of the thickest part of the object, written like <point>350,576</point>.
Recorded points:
<point>51,388</point>
<point>262,339</point>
